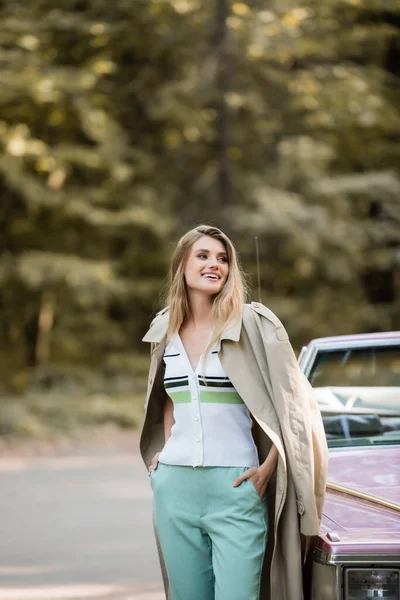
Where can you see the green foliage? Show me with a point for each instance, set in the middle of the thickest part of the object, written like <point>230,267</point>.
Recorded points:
<point>46,416</point>
<point>124,123</point>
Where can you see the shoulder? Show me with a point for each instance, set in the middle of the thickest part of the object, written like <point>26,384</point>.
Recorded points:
<point>160,314</point>
<point>266,318</point>
<point>158,326</point>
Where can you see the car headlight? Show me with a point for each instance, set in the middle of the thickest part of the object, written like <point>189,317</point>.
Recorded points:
<point>363,584</point>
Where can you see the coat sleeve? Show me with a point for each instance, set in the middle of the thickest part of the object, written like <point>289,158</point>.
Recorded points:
<point>301,425</point>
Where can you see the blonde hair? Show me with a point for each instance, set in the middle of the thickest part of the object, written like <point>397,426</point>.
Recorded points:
<point>227,304</point>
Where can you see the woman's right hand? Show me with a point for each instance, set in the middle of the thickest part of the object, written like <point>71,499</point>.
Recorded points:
<point>154,463</point>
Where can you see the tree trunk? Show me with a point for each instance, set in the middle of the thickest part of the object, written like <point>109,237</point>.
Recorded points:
<point>224,184</point>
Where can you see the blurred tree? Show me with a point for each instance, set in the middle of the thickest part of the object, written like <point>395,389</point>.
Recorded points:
<point>320,98</point>
<point>80,218</point>
<point>123,124</point>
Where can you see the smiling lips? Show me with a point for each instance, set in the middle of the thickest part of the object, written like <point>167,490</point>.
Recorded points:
<point>211,276</point>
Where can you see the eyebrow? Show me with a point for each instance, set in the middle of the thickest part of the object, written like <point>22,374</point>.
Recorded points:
<point>218,253</point>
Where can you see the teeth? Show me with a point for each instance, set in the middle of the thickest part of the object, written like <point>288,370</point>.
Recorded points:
<point>210,276</point>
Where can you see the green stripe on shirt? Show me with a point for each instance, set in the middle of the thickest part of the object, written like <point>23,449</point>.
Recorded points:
<point>181,397</point>
<point>220,397</point>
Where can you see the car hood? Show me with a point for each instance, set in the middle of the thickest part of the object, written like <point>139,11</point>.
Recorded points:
<point>371,470</point>
<point>350,520</point>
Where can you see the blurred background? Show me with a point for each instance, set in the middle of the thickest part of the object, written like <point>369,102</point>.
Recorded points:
<point>124,123</point>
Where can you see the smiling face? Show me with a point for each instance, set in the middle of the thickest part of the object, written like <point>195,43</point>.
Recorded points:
<point>207,267</point>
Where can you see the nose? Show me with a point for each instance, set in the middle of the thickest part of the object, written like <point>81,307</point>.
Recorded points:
<point>213,263</point>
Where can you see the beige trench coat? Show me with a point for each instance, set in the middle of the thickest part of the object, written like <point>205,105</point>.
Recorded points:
<point>258,358</point>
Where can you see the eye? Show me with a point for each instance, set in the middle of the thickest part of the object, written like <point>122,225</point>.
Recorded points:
<point>202,255</point>
<point>223,259</point>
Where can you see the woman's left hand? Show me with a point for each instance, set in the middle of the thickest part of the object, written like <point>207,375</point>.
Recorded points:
<point>258,476</point>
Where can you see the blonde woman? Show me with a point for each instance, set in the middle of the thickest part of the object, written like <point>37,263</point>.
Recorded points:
<point>233,439</point>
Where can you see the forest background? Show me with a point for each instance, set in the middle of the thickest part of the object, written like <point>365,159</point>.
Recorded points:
<point>124,123</point>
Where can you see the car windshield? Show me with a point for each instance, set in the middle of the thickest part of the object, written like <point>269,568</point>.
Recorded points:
<point>358,392</point>
<point>372,366</point>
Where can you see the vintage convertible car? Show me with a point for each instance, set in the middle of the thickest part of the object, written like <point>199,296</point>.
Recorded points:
<point>357,383</point>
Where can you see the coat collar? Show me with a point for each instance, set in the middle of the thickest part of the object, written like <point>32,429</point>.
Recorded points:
<point>158,329</point>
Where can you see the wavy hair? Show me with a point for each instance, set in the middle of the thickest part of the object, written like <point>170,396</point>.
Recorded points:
<point>227,304</point>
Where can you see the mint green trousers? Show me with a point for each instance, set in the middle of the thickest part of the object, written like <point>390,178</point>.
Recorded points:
<point>213,536</point>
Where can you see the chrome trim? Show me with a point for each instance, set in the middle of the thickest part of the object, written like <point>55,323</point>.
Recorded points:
<point>339,583</point>
<point>360,343</point>
<point>309,359</point>
<point>382,412</point>
<point>328,558</point>
<point>363,496</point>
<point>302,353</point>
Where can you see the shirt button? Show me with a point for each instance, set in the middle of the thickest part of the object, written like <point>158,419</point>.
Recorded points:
<point>198,439</point>
<point>195,397</point>
<point>196,418</point>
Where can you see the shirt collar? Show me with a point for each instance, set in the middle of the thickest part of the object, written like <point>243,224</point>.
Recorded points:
<point>158,329</point>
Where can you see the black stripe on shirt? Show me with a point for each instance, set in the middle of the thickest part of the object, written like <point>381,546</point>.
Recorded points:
<point>211,378</point>
<point>175,384</point>
<point>216,384</point>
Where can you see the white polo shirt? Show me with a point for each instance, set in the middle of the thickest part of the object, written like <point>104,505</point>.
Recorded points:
<point>212,424</point>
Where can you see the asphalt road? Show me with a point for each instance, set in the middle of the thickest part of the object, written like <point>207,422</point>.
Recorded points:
<point>77,525</point>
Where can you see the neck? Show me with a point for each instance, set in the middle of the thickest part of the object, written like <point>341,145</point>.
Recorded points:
<point>201,311</point>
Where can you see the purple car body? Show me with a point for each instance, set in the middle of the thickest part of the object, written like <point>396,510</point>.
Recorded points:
<point>357,383</point>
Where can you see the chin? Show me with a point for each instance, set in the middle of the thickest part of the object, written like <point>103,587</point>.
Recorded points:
<point>208,291</point>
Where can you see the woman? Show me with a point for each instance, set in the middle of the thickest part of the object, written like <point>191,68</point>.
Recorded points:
<point>233,438</point>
